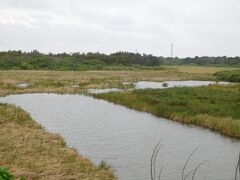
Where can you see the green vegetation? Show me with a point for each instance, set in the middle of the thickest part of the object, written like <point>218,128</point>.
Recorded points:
<point>232,76</point>
<point>29,151</point>
<point>201,69</point>
<point>214,107</point>
<point>5,174</point>
<point>104,165</point>
<point>18,60</point>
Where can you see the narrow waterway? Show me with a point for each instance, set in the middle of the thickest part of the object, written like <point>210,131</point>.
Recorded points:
<point>125,138</point>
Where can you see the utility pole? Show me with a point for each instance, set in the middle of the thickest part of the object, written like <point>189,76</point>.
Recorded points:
<point>171,50</point>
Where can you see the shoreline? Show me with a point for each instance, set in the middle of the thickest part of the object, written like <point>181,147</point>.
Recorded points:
<point>27,149</point>
<point>225,125</point>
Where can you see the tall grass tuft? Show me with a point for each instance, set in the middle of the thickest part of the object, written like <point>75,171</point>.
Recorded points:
<point>184,175</point>
<point>104,165</point>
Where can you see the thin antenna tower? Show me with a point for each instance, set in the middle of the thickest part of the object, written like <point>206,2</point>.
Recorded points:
<point>171,50</point>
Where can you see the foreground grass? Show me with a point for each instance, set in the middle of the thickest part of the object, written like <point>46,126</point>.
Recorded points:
<point>213,107</point>
<point>27,150</point>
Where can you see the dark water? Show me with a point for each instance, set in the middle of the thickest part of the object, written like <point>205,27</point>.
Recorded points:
<point>125,138</point>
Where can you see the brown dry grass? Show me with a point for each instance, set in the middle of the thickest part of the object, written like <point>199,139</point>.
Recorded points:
<point>63,81</point>
<point>12,77</point>
<point>27,150</point>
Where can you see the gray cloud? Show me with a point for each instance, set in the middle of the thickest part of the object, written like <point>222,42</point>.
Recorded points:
<point>196,27</point>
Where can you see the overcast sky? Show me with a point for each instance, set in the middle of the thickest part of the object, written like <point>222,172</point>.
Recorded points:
<point>196,27</point>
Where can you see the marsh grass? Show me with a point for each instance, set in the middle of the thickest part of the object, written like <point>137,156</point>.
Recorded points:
<point>213,107</point>
<point>232,76</point>
<point>91,79</point>
<point>156,174</point>
<point>28,150</point>
<point>5,174</point>
<point>104,165</point>
<point>237,171</point>
<point>201,69</point>
<point>63,82</point>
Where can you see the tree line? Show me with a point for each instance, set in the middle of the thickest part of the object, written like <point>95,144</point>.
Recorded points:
<point>84,61</point>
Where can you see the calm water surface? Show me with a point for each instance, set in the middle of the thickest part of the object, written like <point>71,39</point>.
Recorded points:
<point>170,84</point>
<point>125,138</point>
<point>158,85</point>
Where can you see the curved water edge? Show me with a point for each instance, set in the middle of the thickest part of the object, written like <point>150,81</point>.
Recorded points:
<point>125,138</point>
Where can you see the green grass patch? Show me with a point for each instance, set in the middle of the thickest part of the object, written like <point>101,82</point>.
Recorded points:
<point>214,107</point>
<point>232,76</point>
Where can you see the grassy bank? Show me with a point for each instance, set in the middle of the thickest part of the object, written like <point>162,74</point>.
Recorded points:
<point>28,150</point>
<point>66,81</point>
<point>213,107</point>
<point>201,69</point>
<point>56,80</point>
<point>232,76</point>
